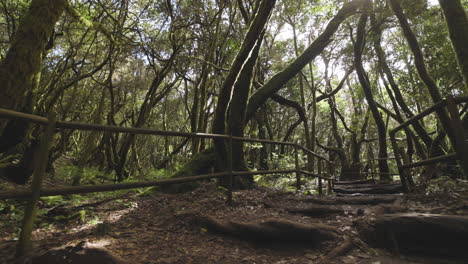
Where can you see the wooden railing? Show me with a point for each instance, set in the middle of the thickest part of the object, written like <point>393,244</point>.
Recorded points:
<point>52,124</point>
<point>370,172</point>
<point>460,145</point>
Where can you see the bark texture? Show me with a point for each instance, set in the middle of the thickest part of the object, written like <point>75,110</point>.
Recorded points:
<point>280,79</point>
<point>457,22</point>
<point>358,49</point>
<point>24,58</point>
<point>421,67</point>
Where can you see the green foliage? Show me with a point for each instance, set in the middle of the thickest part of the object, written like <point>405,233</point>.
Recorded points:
<point>11,215</point>
<point>445,185</point>
<point>53,200</point>
<point>277,181</point>
<point>89,175</point>
<point>284,182</point>
<point>281,161</point>
<point>413,8</point>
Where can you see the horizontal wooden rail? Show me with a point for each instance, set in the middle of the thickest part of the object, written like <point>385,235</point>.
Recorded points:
<point>4,113</point>
<point>248,173</point>
<point>430,161</point>
<point>428,111</point>
<point>136,131</point>
<point>133,185</point>
<point>350,172</point>
<point>422,114</point>
<point>10,114</point>
<point>36,192</point>
<point>365,161</point>
<point>316,175</point>
<point>265,141</point>
<point>459,144</point>
<point>107,187</point>
<point>314,154</point>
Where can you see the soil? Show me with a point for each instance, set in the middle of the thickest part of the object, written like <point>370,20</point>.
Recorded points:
<point>160,228</point>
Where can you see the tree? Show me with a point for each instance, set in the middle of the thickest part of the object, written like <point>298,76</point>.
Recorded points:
<point>457,22</point>
<point>363,79</point>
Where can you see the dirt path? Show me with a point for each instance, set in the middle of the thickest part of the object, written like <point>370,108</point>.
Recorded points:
<point>160,228</point>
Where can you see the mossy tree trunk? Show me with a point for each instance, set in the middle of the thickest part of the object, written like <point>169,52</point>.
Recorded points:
<point>457,22</point>
<point>363,79</point>
<point>24,58</point>
<point>269,89</point>
<point>20,74</point>
<point>421,67</point>
<point>235,90</point>
<point>19,70</point>
<point>305,122</point>
<point>398,97</point>
<point>236,113</point>
<point>273,85</point>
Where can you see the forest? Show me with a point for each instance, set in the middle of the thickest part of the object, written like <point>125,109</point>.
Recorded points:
<point>233,131</point>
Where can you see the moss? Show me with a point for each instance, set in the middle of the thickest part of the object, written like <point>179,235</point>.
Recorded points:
<point>24,58</point>
<point>200,163</point>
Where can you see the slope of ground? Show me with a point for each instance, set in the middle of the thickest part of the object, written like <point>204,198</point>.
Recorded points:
<point>160,228</point>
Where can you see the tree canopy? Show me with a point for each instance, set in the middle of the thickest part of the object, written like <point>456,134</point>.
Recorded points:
<point>333,76</point>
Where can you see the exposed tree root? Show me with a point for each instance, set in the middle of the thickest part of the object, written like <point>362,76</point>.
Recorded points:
<point>351,200</point>
<point>310,210</point>
<point>273,231</point>
<point>81,253</point>
<point>371,181</point>
<point>342,249</point>
<point>428,235</point>
<point>316,210</point>
<point>389,209</point>
<point>370,189</point>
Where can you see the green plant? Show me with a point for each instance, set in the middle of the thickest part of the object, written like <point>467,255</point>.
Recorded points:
<point>447,185</point>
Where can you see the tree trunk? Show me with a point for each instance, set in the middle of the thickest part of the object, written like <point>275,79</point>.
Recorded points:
<point>250,39</point>
<point>305,122</point>
<point>24,58</point>
<point>381,56</point>
<point>236,114</point>
<point>421,68</point>
<point>234,91</point>
<point>457,22</point>
<point>151,99</point>
<point>263,153</point>
<point>358,49</point>
<point>260,96</point>
<point>20,75</point>
<point>90,141</point>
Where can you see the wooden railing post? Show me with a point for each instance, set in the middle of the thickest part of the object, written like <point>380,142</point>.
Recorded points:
<point>461,146</point>
<point>327,167</point>
<point>409,178</point>
<point>398,159</point>
<point>320,179</point>
<point>231,174</point>
<point>41,161</point>
<point>296,161</point>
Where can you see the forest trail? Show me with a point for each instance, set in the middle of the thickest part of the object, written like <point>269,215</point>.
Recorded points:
<point>171,228</point>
